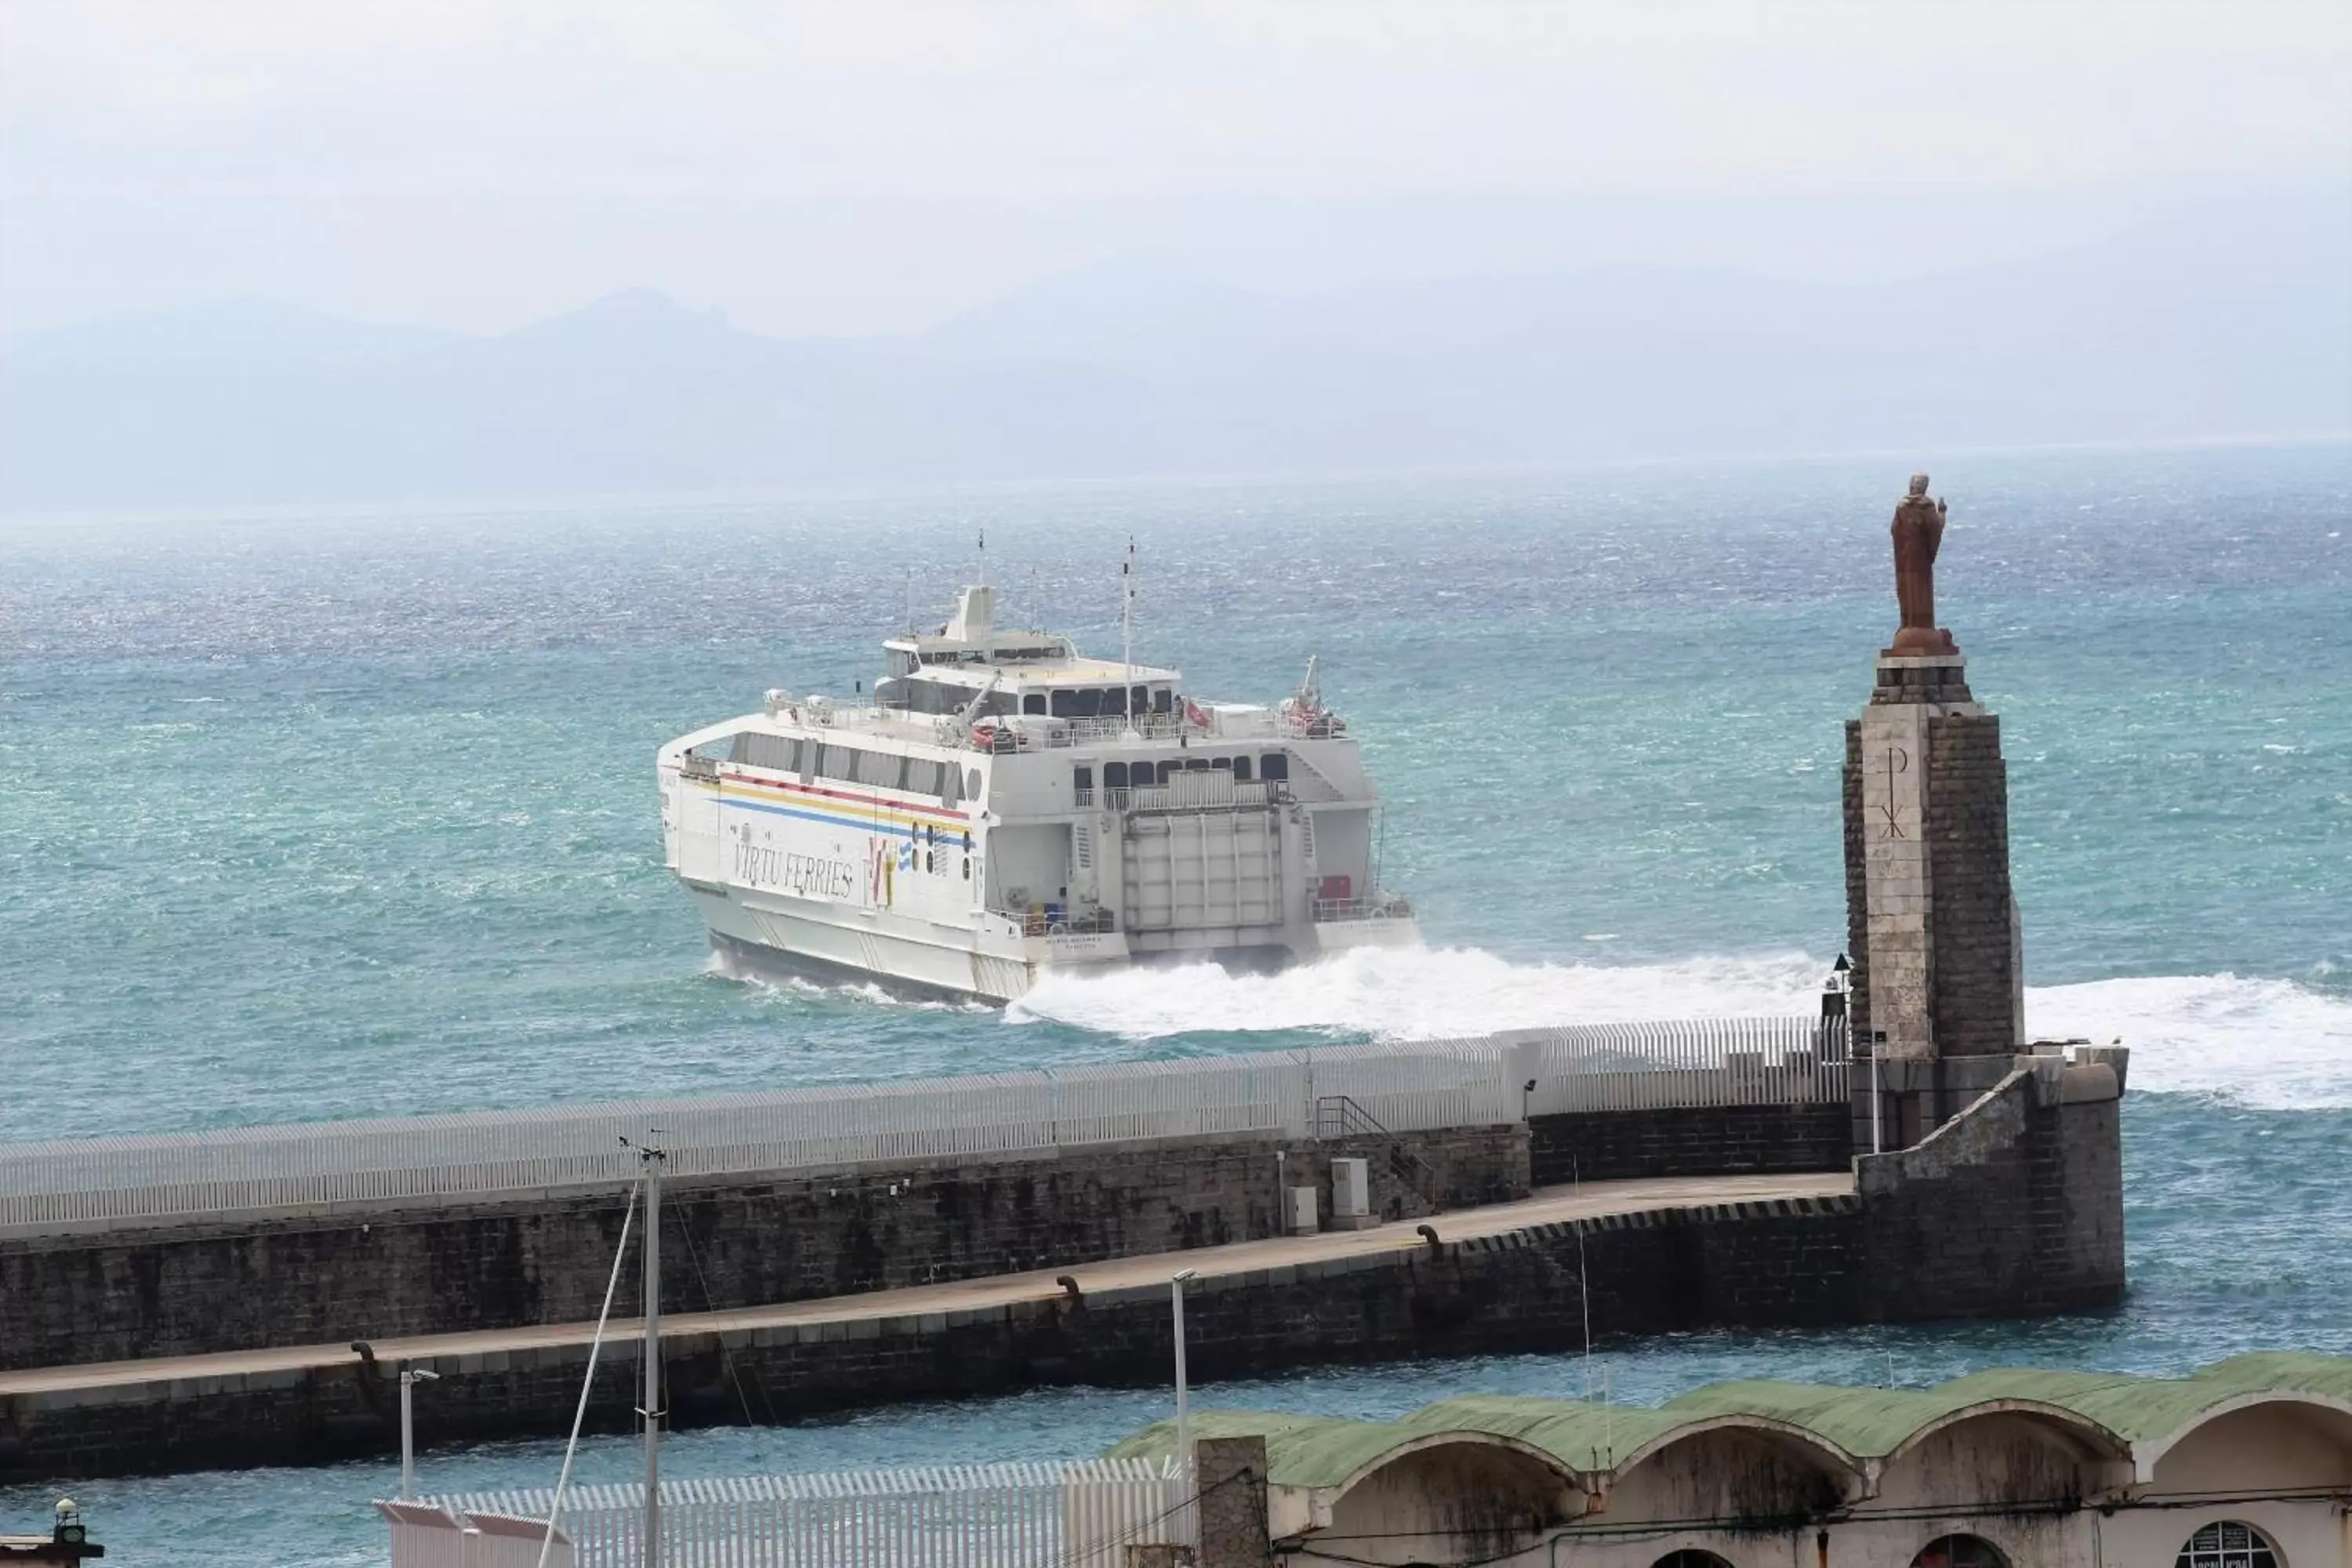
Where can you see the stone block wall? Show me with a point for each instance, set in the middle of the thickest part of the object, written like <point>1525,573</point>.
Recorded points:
<point>1611,1145</point>
<point>1415,1176</point>
<point>1970,924</point>
<point>1753,1264</point>
<point>1968,843</point>
<point>1857,893</point>
<point>2015,1209</point>
<point>731,1242</point>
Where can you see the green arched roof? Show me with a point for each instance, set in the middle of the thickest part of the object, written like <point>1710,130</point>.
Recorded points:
<point>1863,1423</point>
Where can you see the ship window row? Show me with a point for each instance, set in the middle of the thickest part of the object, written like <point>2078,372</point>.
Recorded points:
<point>938,697</point>
<point>918,695</point>
<point>900,663</point>
<point>1100,703</point>
<point>854,764</point>
<point>1271,767</point>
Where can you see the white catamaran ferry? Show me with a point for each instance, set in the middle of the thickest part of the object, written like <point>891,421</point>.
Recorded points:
<point>1005,805</point>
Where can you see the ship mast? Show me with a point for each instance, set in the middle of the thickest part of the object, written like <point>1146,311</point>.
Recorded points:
<point>1127,636</point>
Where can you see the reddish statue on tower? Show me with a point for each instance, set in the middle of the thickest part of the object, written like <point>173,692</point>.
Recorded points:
<point>1918,533</point>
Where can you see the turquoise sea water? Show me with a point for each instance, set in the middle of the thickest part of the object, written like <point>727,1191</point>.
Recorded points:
<point>307,817</point>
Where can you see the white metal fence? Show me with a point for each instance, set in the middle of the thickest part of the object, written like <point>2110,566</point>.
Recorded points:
<point>1406,1087</point>
<point>1047,1514</point>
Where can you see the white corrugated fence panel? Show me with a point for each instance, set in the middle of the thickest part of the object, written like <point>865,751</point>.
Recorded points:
<point>1406,1086</point>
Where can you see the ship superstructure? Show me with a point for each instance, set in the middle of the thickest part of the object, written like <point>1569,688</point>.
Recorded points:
<point>1004,805</point>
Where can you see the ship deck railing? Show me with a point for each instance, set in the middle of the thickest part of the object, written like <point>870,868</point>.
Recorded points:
<point>1380,907</point>
<point>1036,922</point>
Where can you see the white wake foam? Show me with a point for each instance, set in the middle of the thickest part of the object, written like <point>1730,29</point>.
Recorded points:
<point>2270,1044</point>
<point>1421,994</point>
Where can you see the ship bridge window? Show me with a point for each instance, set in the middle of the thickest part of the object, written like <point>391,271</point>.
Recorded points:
<point>1115,775</point>
<point>1241,769</point>
<point>1274,765</point>
<point>1139,700</point>
<point>1163,699</point>
<point>1032,702</point>
<point>1065,704</point>
<point>1224,762</point>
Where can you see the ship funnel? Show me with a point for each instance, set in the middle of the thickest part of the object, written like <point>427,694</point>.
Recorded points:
<point>975,616</point>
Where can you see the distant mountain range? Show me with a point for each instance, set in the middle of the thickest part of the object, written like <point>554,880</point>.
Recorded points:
<point>2239,325</point>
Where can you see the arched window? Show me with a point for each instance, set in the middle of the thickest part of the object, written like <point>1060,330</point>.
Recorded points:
<point>2226,1543</point>
<point>1690,1557</point>
<point>1959,1551</point>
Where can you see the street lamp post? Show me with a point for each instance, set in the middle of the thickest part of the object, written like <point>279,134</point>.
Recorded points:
<point>409,1377</point>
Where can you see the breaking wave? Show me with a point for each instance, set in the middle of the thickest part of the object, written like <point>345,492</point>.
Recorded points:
<point>2272,1044</point>
<point>2266,1044</point>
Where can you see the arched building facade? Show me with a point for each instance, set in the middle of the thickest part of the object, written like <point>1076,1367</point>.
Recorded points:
<point>2247,1464</point>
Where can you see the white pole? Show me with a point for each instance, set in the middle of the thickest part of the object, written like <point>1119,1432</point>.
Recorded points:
<point>1183,1400</point>
<point>409,1378</point>
<point>407,1435</point>
<point>652,1158</point>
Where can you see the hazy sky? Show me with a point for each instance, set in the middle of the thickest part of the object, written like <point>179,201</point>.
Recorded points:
<point>872,166</point>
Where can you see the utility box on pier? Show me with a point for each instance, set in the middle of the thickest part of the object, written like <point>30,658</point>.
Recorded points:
<point>1299,1215</point>
<point>1352,1203</point>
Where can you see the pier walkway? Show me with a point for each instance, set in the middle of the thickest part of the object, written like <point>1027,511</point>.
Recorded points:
<point>456,1353</point>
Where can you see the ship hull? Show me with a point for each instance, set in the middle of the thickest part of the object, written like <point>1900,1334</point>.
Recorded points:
<point>780,944</point>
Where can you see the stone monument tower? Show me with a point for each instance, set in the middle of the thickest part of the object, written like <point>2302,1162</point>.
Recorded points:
<point>1938,1007</point>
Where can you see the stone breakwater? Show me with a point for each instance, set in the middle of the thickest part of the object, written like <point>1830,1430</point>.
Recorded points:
<point>2014,1208</point>
<point>388,1270</point>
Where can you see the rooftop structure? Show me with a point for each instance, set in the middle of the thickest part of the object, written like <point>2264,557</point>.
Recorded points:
<point>2245,1464</point>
